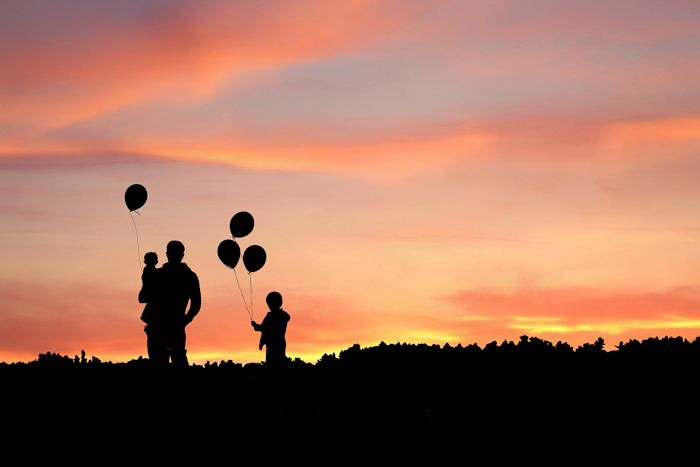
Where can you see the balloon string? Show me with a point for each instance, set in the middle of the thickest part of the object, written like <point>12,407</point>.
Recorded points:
<point>138,247</point>
<point>251,296</point>
<point>242,296</point>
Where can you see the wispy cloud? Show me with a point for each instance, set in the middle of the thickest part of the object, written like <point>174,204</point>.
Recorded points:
<point>294,85</point>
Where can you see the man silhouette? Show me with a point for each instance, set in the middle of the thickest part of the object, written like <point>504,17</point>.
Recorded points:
<point>273,329</point>
<point>175,285</point>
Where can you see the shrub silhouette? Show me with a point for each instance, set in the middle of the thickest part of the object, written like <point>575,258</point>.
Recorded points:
<point>456,397</point>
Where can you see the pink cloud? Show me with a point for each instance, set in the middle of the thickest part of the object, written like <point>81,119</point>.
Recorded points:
<point>154,79</point>
<point>87,61</point>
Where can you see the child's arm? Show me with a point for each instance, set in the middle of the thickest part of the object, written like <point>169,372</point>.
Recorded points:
<point>143,296</point>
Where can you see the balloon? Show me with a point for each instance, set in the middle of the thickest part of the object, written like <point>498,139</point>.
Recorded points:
<point>135,197</point>
<point>241,224</point>
<point>229,253</point>
<point>254,258</point>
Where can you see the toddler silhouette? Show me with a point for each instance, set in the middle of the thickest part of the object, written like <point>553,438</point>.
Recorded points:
<point>148,279</point>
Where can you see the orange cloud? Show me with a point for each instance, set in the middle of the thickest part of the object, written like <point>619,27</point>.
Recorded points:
<point>579,314</point>
<point>415,150</point>
<point>406,152</point>
<point>656,132</point>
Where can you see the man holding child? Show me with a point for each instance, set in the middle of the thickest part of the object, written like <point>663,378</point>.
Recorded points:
<point>167,291</point>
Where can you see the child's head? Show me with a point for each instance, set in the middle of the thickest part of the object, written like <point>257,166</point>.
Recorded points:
<point>150,259</point>
<point>274,300</point>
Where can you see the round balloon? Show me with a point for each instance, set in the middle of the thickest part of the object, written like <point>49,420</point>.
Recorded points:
<point>135,197</point>
<point>254,258</point>
<point>241,224</point>
<point>229,253</point>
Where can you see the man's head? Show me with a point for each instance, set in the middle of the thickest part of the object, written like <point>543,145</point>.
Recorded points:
<point>150,259</point>
<point>175,251</point>
<point>274,300</point>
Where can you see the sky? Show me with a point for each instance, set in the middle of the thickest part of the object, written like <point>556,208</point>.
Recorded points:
<point>418,171</point>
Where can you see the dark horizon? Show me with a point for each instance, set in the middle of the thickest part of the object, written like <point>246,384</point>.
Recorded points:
<point>648,345</point>
<point>401,401</point>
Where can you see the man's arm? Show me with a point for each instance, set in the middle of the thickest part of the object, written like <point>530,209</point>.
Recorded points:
<point>195,301</point>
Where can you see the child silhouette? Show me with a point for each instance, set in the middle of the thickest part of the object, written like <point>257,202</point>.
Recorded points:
<point>273,329</point>
<point>148,285</point>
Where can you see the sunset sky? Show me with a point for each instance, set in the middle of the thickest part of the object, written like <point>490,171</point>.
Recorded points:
<point>418,171</point>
